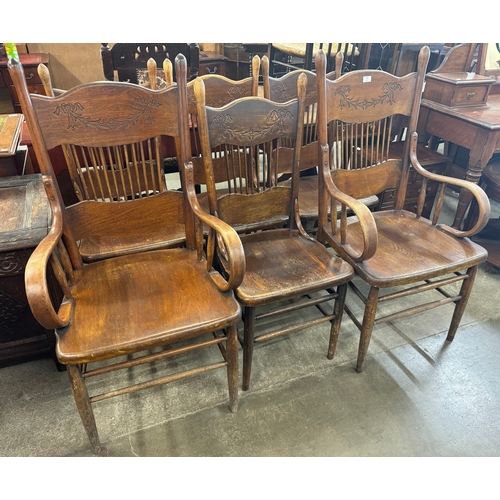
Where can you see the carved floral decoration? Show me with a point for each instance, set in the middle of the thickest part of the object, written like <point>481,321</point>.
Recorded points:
<point>388,89</point>
<point>74,112</point>
<point>225,131</point>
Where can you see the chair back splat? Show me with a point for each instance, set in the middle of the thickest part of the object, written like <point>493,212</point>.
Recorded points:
<point>392,247</point>
<point>132,307</point>
<point>286,270</point>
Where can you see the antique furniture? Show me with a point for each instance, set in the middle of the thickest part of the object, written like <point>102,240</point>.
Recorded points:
<point>290,56</point>
<point>113,176</point>
<point>457,89</point>
<point>12,154</point>
<point>389,249</point>
<point>117,312</point>
<point>286,270</point>
<point>30,63</point>
<point>24,223</point>
<point>127,59</point>
<point>212,63</point>
<point>474,128</point>
<point>219,91</point>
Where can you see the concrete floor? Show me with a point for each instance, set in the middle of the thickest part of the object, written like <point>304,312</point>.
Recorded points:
<point>419,396</point>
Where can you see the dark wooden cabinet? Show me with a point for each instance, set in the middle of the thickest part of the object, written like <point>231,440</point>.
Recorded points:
<point>24,223</point>
<point>30,64</point>
<point>212,63</point>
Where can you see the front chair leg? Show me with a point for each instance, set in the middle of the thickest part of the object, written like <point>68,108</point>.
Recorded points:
<point>84,406</point>
<point>462,303</point>
<point>248,341</point>
<point>232,367</point>
<point>367,327</point>
<point>338,311</point>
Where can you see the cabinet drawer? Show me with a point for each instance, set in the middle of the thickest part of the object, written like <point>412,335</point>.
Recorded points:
<point>30,74</point>
<point>470,96</point>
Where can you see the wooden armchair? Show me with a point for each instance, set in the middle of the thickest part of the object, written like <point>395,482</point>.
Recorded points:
<point>286,270</point>
<point>129,59</point>
<point>389,248</point>
<point>282,90</point>
<point>118,311</point>
<point>116,175</point>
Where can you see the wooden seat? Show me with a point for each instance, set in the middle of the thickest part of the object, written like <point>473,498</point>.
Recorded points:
<point>114,176</point>
<point>118,312</point>
<point>391,248</point>
<point>286,270</point>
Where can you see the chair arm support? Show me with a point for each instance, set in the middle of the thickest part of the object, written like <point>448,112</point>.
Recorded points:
<point>483,203</point>
<point>362,212</point>
<point>37,290</point>
<point>230,238</point>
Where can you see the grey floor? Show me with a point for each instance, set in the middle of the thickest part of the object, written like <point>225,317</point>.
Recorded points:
<point>419,396</point>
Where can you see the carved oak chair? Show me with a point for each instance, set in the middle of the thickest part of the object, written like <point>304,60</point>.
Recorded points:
<point>391,248</point>
<point>115,175</point>
<point>282,90</point>
<point>116,313</point>
<point>286,270</point>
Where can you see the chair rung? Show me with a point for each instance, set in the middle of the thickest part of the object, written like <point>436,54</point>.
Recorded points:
<point>291,329</point>
<point>298,305</point>
<point>416,309</point>
<point>353,318</point>
<point>159,381</point>
<point>149,358</point>
<point>431,285</point>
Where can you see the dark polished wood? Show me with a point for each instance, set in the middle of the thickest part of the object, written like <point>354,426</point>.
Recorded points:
<point>25,222</point>
<point>474,128</point>
<point>30,63</point>
<point>135,302</point>
<point>390,249</point>
<point>127,58</point>
<point>286,270</point>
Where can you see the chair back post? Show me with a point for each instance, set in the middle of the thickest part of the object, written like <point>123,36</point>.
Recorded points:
<point>323,150</point>
<point>18,78</point>
<point>423,60</point>
<point>184,155</point>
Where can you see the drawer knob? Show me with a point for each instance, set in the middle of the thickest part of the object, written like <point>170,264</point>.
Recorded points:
<point>470,95</point>
<point>30,77</point>
<point>214,70</point>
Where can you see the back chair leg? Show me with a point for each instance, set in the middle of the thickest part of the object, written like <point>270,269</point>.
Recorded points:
<point>248,341</point>
<point>462,303</point>
<point>367,327</point>
<point>232,367</point>
<point>84,406</point>
<point>338,311</point>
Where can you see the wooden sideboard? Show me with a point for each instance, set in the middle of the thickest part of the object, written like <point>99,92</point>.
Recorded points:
<point>25,222</point>
<point>30,64</point>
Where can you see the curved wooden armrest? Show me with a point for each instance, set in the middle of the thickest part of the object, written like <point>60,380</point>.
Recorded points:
<point>362,212</point>
<point>235,254</point>
<point>35,278</point>
<point>483,203</point>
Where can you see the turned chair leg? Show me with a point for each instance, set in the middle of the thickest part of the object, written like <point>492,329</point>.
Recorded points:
<point>248,341</point>
<point>232,367</point>
<point>338,310</point>
<point>462,303</point>
<point>84,406</point>
<point>367,327</point>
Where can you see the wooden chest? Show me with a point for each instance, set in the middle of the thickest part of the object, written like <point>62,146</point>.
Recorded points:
<point>30,64</point>
<point>24,223</point>
<point>457,89</point>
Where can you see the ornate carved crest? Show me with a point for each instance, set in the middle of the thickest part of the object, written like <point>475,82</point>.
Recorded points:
<point>74,112</point>
<point>226,131</point>
<point>388,89</point>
